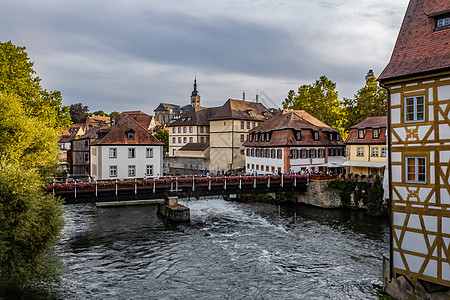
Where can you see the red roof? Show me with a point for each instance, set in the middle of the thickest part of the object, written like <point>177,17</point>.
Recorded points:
<point>140,117</point>
<point>368,125</point>
<point>241,110</point>
<point>117,134</point>
<point>419,48</point>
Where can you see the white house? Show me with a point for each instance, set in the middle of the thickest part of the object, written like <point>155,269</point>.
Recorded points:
<point>125,151</point>
<point>293,140</point>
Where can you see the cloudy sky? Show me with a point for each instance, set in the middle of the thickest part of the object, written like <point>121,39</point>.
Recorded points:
<point>133,54</point>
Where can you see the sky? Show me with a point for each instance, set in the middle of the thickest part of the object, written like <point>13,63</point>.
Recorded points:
<point>119,55</point>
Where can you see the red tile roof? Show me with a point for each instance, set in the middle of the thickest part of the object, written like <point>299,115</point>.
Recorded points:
<point>195,147</point>
<point>419,48</point>
<point>117,134</point>
<point>241,110</point>
<point>368,125</point>
<point>196,116</point>
<point>140,117</point>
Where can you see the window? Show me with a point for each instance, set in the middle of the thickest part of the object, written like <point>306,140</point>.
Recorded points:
<point>268,153</point>
<point>256,136</point>
<point>273,169</point>
<point>443,23</point>
<point>173,130</point>
<point>248,125</point>
<point>191,139</point>
<point>185,140</point>
<point>179,140</point>
<point>131,171</point>
<point>279,154</point>
<point>242,125</point>
<point>184,129</point>
<point>258,152</point>
<point>253,125</point>
<point>302,153</point>
<point>383,152</point>
<point>263,137</point>
<point>242,138</point>
<point>316,135</point>
<point>247,152</point>
<point>267,168</point>
<point>361,134</point>
<point>149,170</point>
<point>174,140</point>
<point>257,167</point>
<point>360,151</point>
<point>191,129</point>
<point>416,169</point>
<point>202,139</point>
<point>375,151</point>
<point>242,152</point>
<point>298,135</point>
<point>207,139</point>
<point>130,135</point>
<point>112,171</point>
<point>311,153</point>
<point>252,152</point>
<point>112,152</point>
<point>272,153</point>
<point>149,153</point>
<point>268,136</point>
<point>251,137</point>
<point>207,129</point>
<point>415,109</point>
<point>253,166</point>
<point>376,133</point>
<point>179,129</point>
<point>338,137</point>
<point>331,136</point>
<point>201,129</point>
<point>248,166</point>
<point>131,152</point>
<point>86,156</point>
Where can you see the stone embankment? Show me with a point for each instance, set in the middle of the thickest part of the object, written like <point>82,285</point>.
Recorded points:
<point>318,194</point>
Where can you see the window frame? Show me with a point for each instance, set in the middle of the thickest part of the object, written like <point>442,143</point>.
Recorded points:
<point>415,106</point>
<point>132,168</point>
<point>360,151</point>
<point>131,152</point>
<point>115,152</point>
<point>416,169</point>
<point>361,134</point>
<point>375,152</point>
<point>147,168</point>
<point>111,168</point>
<point>377,135</point>
<point>383,152</point>
<point>149,152</point>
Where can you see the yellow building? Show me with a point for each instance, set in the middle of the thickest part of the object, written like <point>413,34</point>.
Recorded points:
<point>366,147</point>
<point>418,80</point>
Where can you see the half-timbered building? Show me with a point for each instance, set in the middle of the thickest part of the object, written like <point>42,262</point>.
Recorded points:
<point>418,80</point>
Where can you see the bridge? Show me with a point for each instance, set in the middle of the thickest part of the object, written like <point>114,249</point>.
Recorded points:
<point>181,187</point>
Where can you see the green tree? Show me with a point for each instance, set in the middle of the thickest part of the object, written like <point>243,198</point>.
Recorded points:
<point>100,113</point>
<point>78,112</point>
<point>319,99</point>
<point>17,77</point>
<point>113,114</point>
<point>163,136</point>
<point>30,121</point>
<point>369,101</point>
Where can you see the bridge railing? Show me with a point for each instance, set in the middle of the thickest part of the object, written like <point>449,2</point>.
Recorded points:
<point>172,183</point>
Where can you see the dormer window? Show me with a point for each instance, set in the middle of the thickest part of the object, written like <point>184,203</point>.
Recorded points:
<point>316,135</point>
<point>338,137</point>
<point>331,136</point>
<point>130,135</point>
<point>251,137</point>
<point>263,137</point>
<point>376,133</point>
<point>298,135</point>
<point>442,23</point>
<point>256,136</point>
<point>361,134</point>
<point>268,136</point>
<point>250,113</point>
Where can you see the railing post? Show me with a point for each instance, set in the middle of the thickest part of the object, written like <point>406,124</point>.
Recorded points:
<point>53,188</point>
<point>209,185</point>
<point>176,184</point>
<point>225,183</point>
<point>295,180</point>
<point>154,186</point>
<point>254,182</point>
<point>171,185</point>
<point>268,182</point>
<point>282,177</point>
<point>193,183</point>
<point>75,190</point>
<point>135,187</point>
<point>116,187</point>
<point>96,189</point>
<point>240,182</point>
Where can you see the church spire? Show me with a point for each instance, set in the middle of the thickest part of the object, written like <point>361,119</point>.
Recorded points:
<point>195,95</point>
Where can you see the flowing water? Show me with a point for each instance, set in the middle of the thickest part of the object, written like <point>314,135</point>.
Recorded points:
<point>229,250</point>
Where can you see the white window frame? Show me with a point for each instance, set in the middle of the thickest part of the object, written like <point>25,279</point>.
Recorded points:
<point>316,135</point>
<point>377,135</point>
<point>149,153</point>
<point>444,22</point>
<point>131,171</point>
<point>112,152</point>
<point>375,152</point>
<point>383,152</point>
<point>416,169</point>
<point>358,151</point>
<point>131,152</point>
<point>149,170</point>
<point>113,171</point>
<point>415,106</point>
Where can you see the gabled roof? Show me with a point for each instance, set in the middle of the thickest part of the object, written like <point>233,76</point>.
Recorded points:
<point>140,117</point>
<point>92,133</point>
<point>241,110</point>
<point>117,134</point>
<point>371,122</point>
<point>195,147</point>
<point>196,116</point>
<point>167,106</point>
<point>419,48</point>
<point>293,119</point>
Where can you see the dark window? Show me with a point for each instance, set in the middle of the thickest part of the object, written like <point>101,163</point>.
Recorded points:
<point>414,109</point>
<point>268,136</point>
<point>251,137</point>
<point>256,136</point>
<point>316,135</point>
<point>298,135</point>
<point>130,135</point>
<point>331,136</point>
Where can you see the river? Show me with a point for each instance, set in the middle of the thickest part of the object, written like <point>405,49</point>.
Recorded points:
<point>230,250</point>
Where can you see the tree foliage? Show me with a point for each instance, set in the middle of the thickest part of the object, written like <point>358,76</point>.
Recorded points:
<point>30,121</point>
<point>369,101</point>
<point>319,99</point>
<point>100,113</point>
<point>78,112</point>
<point>163,136</point>
<point>17,77</point>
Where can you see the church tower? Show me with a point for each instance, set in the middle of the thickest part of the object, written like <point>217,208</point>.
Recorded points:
<point>195,96</point>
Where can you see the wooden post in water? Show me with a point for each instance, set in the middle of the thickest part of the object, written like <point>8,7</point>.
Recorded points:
<point>209,185</point>
<point>116,187</point>
<point>240,181</point>
<point>75,190</point>
<point>282,177</point>
<point>96,192</point>
<point>193,183</point>
<point>135,187</point>
<point>268,182</point>
<point>225,183</point>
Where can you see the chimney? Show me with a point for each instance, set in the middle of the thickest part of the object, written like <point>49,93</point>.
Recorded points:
<point>256,97</point>
<point>243,95</point>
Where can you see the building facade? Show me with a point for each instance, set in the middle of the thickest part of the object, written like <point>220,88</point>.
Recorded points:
<point>366,147</point>
<point>418,80</point>
<point>80,151</point>
<point>293,140</point>
<point>126,151</point>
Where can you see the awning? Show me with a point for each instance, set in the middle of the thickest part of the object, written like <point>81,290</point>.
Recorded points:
<point>335,161</point>
<point>364,164</point>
